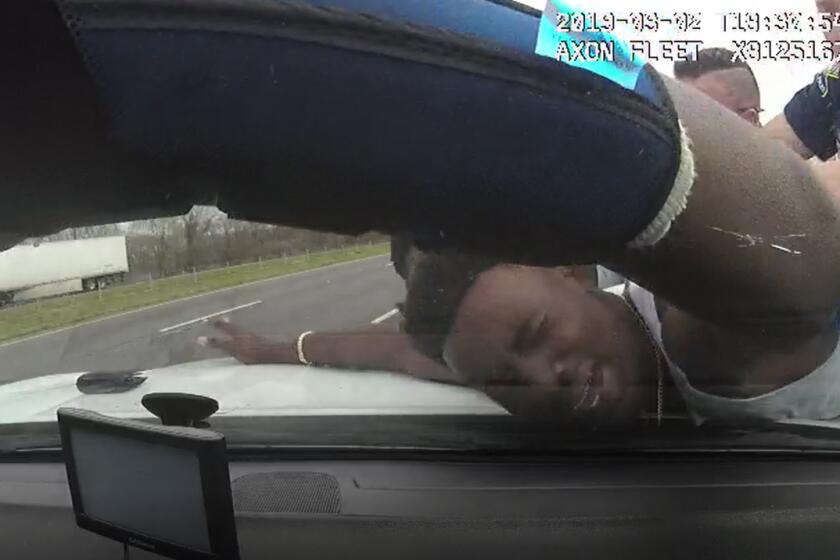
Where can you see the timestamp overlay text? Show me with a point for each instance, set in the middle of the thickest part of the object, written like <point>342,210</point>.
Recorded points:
<point>751,36</point>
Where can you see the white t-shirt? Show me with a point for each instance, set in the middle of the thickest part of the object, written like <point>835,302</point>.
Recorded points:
<point>608,278</point>
<point>815,396</point>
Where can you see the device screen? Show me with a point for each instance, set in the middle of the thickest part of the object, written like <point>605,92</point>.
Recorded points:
<point>143,487</point>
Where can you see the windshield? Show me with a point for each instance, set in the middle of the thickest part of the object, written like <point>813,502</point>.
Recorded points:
<point>505,229</point>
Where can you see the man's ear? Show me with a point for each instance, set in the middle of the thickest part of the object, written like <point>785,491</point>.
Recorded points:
<point>751,115</point>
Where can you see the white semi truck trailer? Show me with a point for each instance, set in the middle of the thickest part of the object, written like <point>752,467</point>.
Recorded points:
<point>30,271</point>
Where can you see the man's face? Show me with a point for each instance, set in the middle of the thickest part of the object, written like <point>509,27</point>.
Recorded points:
<point>733,88</point>
<point>833,35</point>
<point>539,343</point>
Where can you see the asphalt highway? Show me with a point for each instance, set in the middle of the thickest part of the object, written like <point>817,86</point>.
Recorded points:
<point>334,297</point>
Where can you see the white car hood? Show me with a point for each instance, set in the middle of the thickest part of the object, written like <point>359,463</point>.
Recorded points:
<point>256,390</point>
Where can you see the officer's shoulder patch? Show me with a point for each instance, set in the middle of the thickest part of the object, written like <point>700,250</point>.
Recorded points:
<point>833,70</point>
<point>822,84</point>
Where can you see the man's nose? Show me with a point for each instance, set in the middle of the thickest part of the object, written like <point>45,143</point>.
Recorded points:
<point>540,369</point>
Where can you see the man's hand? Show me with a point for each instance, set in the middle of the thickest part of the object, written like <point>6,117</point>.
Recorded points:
<point>249,348</point>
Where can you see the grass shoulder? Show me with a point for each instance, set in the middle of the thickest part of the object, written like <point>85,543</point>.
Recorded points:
<point>44,315</point>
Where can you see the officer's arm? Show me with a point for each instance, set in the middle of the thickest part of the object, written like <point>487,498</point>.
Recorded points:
<point>807,123</point>
<point>779,129</point>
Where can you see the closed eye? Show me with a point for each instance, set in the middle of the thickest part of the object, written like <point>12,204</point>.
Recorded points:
<point>530,333</point>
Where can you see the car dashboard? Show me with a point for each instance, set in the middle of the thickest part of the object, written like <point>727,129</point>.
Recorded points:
<point>381,505</point>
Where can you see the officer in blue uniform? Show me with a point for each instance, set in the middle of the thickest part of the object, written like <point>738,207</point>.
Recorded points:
<point>811,120</point>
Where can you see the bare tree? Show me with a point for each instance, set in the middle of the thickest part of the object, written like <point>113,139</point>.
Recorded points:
<point>197,223</point>
<point>160,248</point>
<point>230,230</point>
<point>206,238</point>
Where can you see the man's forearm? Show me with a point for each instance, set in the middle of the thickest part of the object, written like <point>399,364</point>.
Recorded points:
<point>757,243</point>
<point>374,349</point>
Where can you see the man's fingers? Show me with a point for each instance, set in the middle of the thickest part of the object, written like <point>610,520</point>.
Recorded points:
<point>223,344</point>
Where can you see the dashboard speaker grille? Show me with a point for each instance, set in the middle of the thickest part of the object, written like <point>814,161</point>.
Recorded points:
<point>287,492</point>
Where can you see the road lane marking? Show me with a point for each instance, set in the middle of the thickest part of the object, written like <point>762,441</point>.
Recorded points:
<point>385,316</point>
<point>181,300</point>
<point>205,317</point>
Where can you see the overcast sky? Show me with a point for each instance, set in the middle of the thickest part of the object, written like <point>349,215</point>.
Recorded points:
<point>778,80</point>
